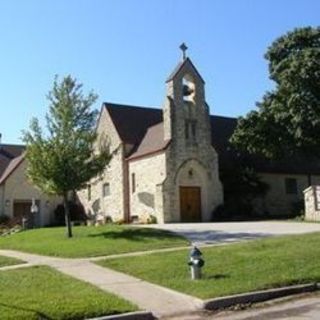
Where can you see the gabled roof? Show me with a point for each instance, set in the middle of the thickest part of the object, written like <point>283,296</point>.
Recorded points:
<point>180,65</point>
<point>13,165</point>
<point>143,128</point>
<point>152,142</point>
<point>10,158</point>
<point>133,122</point>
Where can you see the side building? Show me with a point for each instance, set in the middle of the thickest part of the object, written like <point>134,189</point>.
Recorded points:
<point>17,193</point>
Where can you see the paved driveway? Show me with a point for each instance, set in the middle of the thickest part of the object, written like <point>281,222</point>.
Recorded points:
<point>223,232</point>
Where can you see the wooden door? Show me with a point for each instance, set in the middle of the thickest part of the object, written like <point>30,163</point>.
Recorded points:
<point>190,204</point>
<point>23,209</point>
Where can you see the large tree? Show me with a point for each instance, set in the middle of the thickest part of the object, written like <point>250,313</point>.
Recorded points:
<point>65,156</point>
<point>287,120</point>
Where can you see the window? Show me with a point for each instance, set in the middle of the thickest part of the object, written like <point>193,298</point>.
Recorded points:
<point>133,181</point>
<point>106,189</point>
<point>89,192</point>
<point>291,186</point>
<point>190,129</point>
<point>186,129</point>
<point>193,128</point>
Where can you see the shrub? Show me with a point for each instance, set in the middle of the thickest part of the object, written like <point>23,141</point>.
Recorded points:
<point>152,219</point>
<point>77,213</point>
<point>4,219</point>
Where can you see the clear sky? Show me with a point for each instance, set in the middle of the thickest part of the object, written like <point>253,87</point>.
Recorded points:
<point>125,49</point>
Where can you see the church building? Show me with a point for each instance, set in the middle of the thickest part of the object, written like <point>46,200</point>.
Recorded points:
<point>164,164</point>
<point>167,163</point>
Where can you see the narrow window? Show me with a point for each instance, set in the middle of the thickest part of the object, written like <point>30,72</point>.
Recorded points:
<point>193,129</point>
<point>133,181</point>
<point>186,129</point>
<point>106,189</point>
<point>291,186</point>
<point>89,192</point>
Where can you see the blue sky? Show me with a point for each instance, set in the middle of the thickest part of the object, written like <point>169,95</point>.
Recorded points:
<point>125,49</point>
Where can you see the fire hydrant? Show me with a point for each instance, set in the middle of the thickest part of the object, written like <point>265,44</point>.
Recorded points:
<point>195,263</point>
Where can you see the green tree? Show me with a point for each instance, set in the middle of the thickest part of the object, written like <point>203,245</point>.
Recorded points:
<point>67,155</point>
<point>287,120</point>
<point>241,185</point>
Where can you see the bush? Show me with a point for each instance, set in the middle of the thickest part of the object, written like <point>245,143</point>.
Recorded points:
<point>152,219</point>
<point>4,219</point>
<point>77,213</point>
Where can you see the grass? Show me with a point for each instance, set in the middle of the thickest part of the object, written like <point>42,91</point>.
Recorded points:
<point>231,269</point>
<point>91,241</point>
<point>42,293</point>
<point>6,261</point>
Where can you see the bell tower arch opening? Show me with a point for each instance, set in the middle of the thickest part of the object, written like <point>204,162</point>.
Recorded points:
<point>188,89</point>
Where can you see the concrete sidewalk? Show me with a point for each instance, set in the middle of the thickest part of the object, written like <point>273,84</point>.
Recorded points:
<point>159,300</point>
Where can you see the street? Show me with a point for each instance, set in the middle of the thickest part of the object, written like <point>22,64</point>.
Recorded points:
<point>302,307</point>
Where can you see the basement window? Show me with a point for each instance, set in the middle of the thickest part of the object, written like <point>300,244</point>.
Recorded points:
<point>291,186</point>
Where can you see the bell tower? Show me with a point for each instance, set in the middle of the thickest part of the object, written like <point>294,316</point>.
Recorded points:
<point>186,114</point>
<point>192,189</point>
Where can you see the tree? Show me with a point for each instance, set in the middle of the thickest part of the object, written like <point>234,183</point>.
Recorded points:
<point>287,121</point>
<point>67,156</point>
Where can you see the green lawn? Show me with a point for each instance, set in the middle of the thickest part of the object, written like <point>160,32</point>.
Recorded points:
<point>90,241</point>
<point>42,293</point>
<point>231,269</point>
<point>6,261</point>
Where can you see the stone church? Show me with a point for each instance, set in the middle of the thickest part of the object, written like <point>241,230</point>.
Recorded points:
<point>166,162</point>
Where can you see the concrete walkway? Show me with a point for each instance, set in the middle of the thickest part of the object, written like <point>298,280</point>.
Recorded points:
<point>159,300</point>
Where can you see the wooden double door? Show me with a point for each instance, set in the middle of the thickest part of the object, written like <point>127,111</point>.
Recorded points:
<point>22,209</point>
<point>190,204</point>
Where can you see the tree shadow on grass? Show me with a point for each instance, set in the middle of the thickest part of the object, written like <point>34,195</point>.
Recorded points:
<point>41,316</point>
<point>135,234</point>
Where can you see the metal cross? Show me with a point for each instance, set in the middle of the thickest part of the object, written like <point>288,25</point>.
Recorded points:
<point>184,48</point>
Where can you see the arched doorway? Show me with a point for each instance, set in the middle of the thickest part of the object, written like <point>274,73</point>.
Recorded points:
<point>191,190</point>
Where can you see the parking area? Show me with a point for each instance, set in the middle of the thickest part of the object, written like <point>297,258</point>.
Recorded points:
<point>225,232</point>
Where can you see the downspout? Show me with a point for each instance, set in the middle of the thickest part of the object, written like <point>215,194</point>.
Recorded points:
<point>126,191</point>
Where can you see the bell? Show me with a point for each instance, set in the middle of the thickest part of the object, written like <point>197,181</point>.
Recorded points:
<point>187,91</point>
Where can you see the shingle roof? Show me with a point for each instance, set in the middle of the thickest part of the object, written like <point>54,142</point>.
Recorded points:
<point>152,142</point>
<point>7,153</point>
<point>13,164</point>
<point>143,128</point>
<point>132,122</point>
<point>180,66</point>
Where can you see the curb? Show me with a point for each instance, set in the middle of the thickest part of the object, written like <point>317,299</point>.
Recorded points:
<point>257,296</point>
<point>139,315</point>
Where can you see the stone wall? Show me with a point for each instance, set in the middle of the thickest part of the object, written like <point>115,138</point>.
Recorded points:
<point>149,172</point>
<point>111,205</point>
<point>18,188</point>
<point>312,203</point>
<point>277,201</point>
